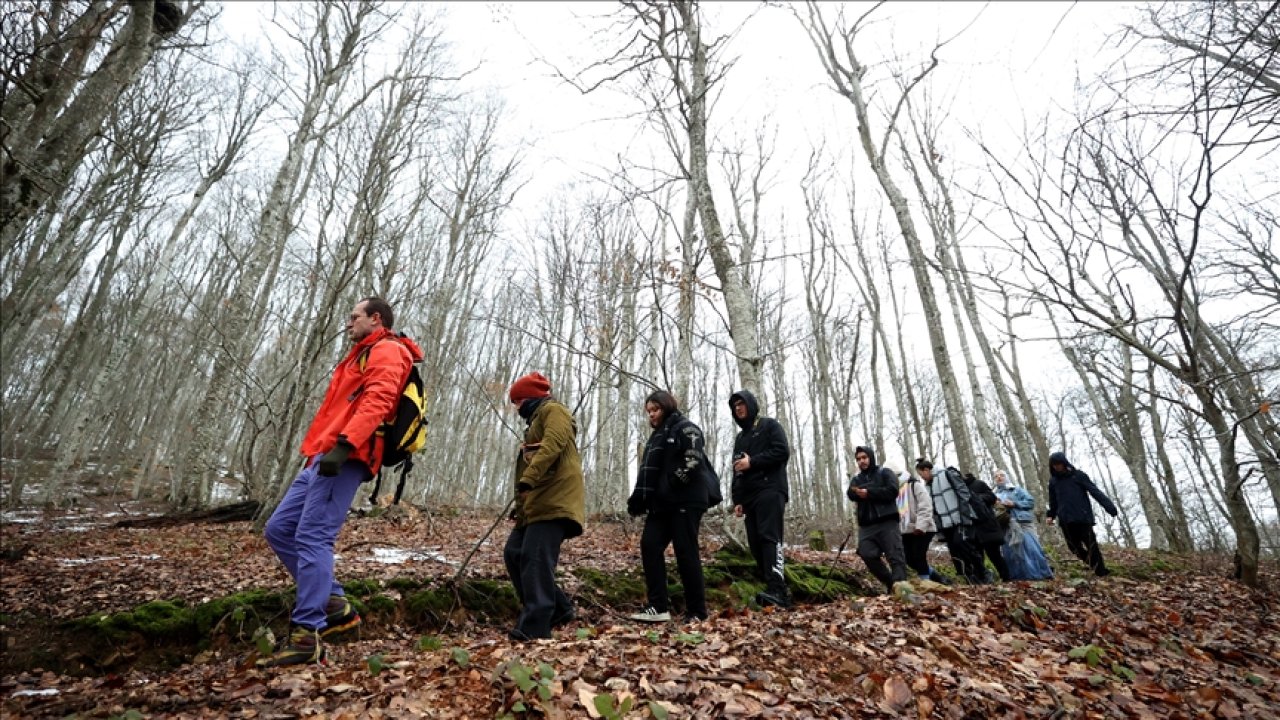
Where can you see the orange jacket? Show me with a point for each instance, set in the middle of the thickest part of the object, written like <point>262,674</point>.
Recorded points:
<point>356,402</point>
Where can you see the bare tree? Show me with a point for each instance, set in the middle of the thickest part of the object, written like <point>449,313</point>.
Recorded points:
<point>834,44</point>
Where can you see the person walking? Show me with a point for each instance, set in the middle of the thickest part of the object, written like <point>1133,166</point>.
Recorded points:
<point>549,507</point>
<point>674,487</point>
<point>875,491</point>
<point>342,449</point>
<point>760,492</point>
<point>917,526</point>
<point>954,518</point>
<point>1023,553</point>
<point>1069,493</point>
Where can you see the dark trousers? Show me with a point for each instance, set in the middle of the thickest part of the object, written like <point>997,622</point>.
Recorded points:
<point>531,555</point>
<point>678,528</point>
<point>1084,544</point>
<point>992,549</point>
<point>764,536</point>
<point>883,539</point>
<point>917,549</point>
<point>964,554</point>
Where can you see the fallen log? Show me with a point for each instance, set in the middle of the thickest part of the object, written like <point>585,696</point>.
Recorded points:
<point>235,512</point>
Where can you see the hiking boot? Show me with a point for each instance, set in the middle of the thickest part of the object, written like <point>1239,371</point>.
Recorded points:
<point>340,616</point>
<point>767,599</point>
<point>302,646</point>
<point>651,615</point>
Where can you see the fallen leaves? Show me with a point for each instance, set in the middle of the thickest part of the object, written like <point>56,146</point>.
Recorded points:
<point>1199,646</point>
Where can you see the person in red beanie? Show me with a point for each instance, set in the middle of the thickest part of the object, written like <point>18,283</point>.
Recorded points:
<point>549,507</point>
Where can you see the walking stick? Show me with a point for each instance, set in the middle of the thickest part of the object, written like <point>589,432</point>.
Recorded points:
<point>831,566</point>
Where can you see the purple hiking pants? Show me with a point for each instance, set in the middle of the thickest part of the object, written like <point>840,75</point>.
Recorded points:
<point>302,532</point>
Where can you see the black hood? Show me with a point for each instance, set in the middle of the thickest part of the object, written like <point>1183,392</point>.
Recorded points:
<point>1059,457</point>
<point>753,407</point>
<point>870,454</point>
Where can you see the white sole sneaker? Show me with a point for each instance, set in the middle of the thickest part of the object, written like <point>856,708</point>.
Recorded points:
<point>652,616</point>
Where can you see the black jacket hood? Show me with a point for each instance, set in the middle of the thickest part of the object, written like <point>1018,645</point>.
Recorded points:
<point>753,407</point>
<point>1059,457</point>
<point>870,454</point>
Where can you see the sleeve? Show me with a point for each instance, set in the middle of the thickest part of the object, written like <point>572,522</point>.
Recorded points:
<point>557,434</point>
<point>853,483</point>
<point>1022,500</point>
<point>1098,495</point>
<point>384,375</point>
<point>691,444</point>
<point>964,496</point>
<point>1052,512</point>
<point>647,476</point>
<point>776,451</point>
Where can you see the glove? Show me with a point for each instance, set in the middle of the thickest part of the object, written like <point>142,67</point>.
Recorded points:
<point>331,462</point>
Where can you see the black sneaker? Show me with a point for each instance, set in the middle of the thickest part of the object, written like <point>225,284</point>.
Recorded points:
<point>564,618</point>
<point>302,646</point>
<point>340,616</point>
<point>767,599</point>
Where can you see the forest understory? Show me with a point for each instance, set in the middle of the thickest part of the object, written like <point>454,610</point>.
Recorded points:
<point>133,622</point>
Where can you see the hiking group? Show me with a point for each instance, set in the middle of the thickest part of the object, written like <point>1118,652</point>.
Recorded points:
<point>362,420</point>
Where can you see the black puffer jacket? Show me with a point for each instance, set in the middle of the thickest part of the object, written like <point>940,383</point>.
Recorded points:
<point>1069,494</point>
<point>764,440</point>
<point>674,474</point>
<point>881,503</point>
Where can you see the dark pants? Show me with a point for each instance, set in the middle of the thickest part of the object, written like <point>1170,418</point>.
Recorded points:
<point>883,538</point>
<point>678,528</point>
<point>992,549</point>
<point>917,549</point>
<point>303,529</point>
<point>531,555</point>
<point>764,536</point>
<point>1084,544</point>
<point>964,554</point>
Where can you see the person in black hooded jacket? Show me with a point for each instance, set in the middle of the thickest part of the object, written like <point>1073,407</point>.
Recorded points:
<point>675,487</point>
<point>1069,493</point>
<point>760,491</point>
<point>875,490</point>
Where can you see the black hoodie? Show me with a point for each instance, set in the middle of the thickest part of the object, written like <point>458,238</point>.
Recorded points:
<point>881,503</point>
<point>764,440</point>
<point>1069,493</point>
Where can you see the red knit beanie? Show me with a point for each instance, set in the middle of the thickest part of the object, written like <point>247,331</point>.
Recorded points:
<point>533,385</point>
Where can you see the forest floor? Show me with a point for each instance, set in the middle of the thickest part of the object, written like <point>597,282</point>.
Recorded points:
<point>107,622</point>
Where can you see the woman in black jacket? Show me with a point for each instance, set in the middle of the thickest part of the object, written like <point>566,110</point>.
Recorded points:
<point>675,487</point>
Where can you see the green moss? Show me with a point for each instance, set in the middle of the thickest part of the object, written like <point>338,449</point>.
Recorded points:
<point>257,604</point>
<point>613,589</point>
<point>380,605</point>
<point>490,598</point>
<point>361,588</point>
<point>818,541</point>
<point>744,591</point>
<point>404,584</point>
<point>430,607</point>
<point>815,583</point>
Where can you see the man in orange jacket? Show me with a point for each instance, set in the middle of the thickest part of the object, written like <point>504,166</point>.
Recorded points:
<point>343,449</point>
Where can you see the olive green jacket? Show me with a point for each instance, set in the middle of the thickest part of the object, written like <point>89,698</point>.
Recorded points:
<point>550,469</point>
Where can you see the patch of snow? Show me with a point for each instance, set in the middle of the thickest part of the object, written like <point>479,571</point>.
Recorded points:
<point>41,692</point>
<point>20,517</point>
<point>399,556</point>
<point>71,562</point>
